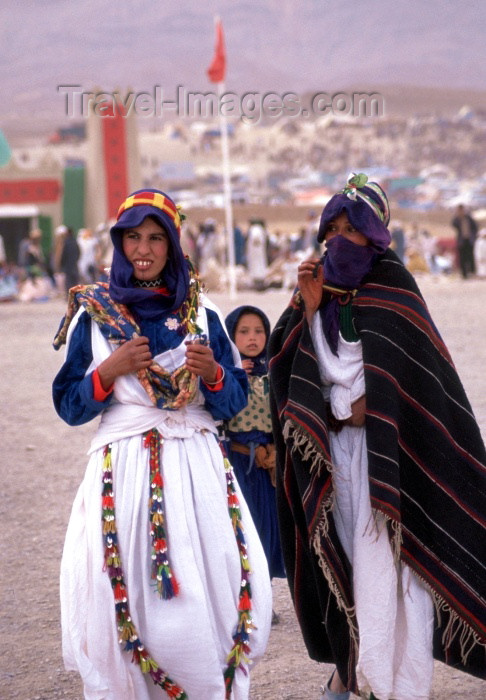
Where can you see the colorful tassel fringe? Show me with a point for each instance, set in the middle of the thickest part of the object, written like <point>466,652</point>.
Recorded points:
<point>166,583</point>
<point>127,633</point>
<point>239,654</point>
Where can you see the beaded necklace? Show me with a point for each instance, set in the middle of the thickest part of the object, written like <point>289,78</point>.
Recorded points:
<point>150,284</point>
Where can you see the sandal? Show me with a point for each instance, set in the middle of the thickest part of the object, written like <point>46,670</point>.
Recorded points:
<point>328,694</point>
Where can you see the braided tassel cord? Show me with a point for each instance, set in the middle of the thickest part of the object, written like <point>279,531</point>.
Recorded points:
<point>127,633</point>
<point>239,654</point>
<point>166,582</point>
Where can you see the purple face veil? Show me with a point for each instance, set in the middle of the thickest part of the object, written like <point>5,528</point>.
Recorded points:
<point>147,303</point>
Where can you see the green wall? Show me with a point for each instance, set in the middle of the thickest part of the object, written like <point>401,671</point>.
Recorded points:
<point>73,198</point>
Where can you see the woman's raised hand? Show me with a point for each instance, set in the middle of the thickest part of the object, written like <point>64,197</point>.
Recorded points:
<point>310,279</point>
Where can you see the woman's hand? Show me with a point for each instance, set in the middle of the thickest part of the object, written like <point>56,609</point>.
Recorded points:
<point>358,413</point>
<point>310,279</point>
<point>200,360</point>
<point>127,358</point>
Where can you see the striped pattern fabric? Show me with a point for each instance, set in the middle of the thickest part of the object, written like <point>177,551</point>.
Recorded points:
<point>427,460</point>
<point>153,199</point>
<point>358,186</point>
<point>315,563</point>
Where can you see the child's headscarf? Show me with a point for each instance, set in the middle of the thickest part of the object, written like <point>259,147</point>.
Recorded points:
<point>260,365</point>
<point>148,303</point>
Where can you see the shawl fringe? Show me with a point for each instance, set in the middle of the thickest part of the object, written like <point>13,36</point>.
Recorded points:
<point>307,448</point>
<point>349,610</point>
<point>301,443</point>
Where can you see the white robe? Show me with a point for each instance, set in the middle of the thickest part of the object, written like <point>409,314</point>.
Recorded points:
<point>190,635</point>
<point>256,253</point>
<point>394,610</point>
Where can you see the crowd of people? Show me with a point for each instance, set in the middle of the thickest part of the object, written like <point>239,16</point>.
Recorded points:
<point>267,258</point>
<point>39,274</point>
<point>338,450</point>
<point>264,258</point>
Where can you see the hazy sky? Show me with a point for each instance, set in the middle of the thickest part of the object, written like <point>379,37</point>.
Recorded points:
<point>274,45</point>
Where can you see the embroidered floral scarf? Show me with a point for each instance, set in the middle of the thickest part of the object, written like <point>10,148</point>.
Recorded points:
<point>117,324</point>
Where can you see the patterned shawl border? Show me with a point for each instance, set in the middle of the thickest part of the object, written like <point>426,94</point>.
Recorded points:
<point>455,626</point>
<point>310,451</point>
<point>470,627</point>
<point>116,320</point>
<point>118,325</point>
<point>320,533</point>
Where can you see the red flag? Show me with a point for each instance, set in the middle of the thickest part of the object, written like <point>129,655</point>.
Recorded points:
<point>217,69</point>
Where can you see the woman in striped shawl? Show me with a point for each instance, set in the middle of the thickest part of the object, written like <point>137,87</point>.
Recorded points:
<point>380,467</point>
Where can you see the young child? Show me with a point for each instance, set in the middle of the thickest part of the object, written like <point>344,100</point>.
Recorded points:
<point>249,434</point>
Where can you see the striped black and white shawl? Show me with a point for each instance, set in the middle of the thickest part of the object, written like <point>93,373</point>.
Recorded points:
<point>427,472</point>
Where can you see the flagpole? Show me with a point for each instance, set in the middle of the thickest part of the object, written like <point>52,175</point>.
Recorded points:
<point>228,205</point>
<point>216,73</point>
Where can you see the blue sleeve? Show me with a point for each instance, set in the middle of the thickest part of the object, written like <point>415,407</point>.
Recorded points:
<point>233,397</point>
<point>72,389</point>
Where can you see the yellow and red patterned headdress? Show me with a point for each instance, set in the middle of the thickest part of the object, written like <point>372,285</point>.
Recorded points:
<point>147,198</point>
<point>132,212</point>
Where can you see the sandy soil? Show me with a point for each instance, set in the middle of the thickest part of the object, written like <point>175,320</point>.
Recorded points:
<point>42,462</point>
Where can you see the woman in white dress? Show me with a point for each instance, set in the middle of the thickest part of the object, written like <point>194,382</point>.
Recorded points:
<point>164,583</point>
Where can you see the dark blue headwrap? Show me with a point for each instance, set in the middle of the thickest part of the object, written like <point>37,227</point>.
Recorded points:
<point>260,365</point>
<point>146,303</point>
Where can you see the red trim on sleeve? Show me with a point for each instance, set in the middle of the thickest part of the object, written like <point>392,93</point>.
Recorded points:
<point>99,394</point>
<point>219,381</point>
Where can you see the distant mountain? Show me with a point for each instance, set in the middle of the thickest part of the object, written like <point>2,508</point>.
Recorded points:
<point>272,45</point>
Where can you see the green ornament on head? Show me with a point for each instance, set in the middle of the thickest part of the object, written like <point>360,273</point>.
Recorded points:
<point>358,180</point>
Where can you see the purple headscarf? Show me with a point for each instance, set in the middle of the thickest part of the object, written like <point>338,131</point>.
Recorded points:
<point>146,303</point>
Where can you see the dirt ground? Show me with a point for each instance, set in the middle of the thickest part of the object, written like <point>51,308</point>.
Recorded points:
<point>42,463</point>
